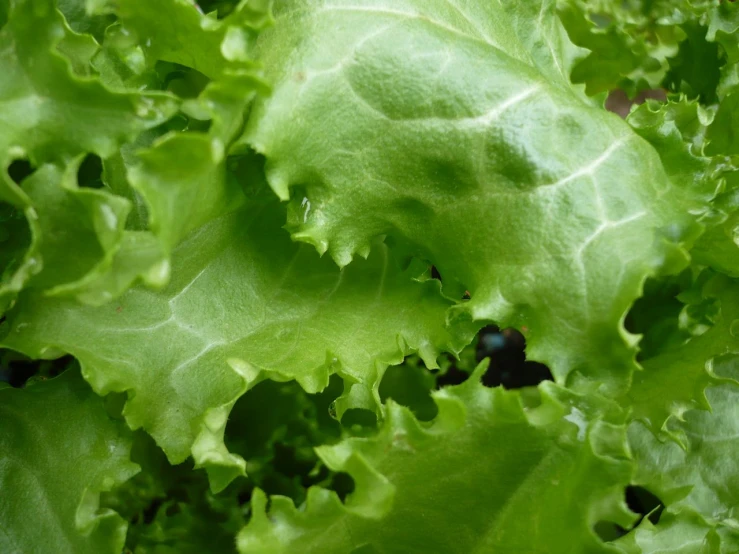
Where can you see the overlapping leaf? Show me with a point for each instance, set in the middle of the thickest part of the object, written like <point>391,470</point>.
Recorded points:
<point>630,42</point>
<point>211,46</point>
<point>410,120</point>
<point>703,478</point>
<point>488,457</point>
<point>51,115</point>
<point>244,302</point>
<point>684,533</point>
<point>58,450</point>
<point>674,381</point>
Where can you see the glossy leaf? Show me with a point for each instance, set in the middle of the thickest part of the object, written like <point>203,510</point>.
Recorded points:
<point>244,303</point>
<point>549,212</point>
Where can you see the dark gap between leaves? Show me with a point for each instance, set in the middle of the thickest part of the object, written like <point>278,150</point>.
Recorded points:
<point>16,369</point>
<point>90,172</point>
<point>508,364</point>
<point>150,512</point>
<point>641,502</point>
<point>19,170</point>
<point>342,484</point>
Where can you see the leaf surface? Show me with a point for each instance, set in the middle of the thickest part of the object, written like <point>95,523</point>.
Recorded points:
<point>244,303</point>
<point>58,450</point>
<point>449,133</point>
<point>490,474</point>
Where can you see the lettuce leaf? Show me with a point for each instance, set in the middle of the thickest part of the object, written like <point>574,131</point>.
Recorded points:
<point>477,480</point>
<point>550,212</point>
<point>59,449</point>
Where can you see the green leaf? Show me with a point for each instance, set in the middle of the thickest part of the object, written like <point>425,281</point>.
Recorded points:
<point>694,144</point>
<point>491,462</point>
<point>51,115</point>
<point>630,42</point>
<point>677,130</point>
<point>58,450</point>
<point>411,121</point>
<point>723,23</point>
<point>673,382</point>
<point>171,509</point>
<point>695,70</point>
<point>211,46</point>
<point>183,196</point>
<point>684,533</point>
<point>244,303</point>
<point>78,229</point>
<point>718,247</point>
<point>18,256</point>
<point>703,477</point>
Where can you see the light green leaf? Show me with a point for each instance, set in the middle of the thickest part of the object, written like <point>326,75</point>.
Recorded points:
<point>497,471</point>
<point>684,533</point>
<point>183,181</point>
<point>244,303</point>
<point>694,144</point>
<point>704,476</point>
<point>211,46</point>
<point>718,247</point>
<point>410,120</point>
<point>78,229</point>
<point>677,130</point>
<point>51,115</point>
<point>79,49</point>
<point>58,450</point>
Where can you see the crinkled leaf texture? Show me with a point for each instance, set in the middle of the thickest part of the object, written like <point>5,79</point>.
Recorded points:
<point>244,303</point>
<point>49,114</point>
<point>496,471</point>
<point>674,382</point>
<point>698,483</point>
<point>630,42</point>
<point>438,123</point>
<point>684,436</point>
<point>58,450</point>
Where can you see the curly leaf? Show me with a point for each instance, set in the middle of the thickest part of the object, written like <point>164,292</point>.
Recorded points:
<point>630,42</point>
<point>703,477</point>
<point>435,125</point>
<point>684,533</point>
<point>244,303</point>
<point>674,381</point>
<point>48,113</point>
<point>491,462</point>
<point>213,47</point>
<point>58,450</point>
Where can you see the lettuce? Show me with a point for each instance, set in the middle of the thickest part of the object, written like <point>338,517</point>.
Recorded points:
<point>267,274</point>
